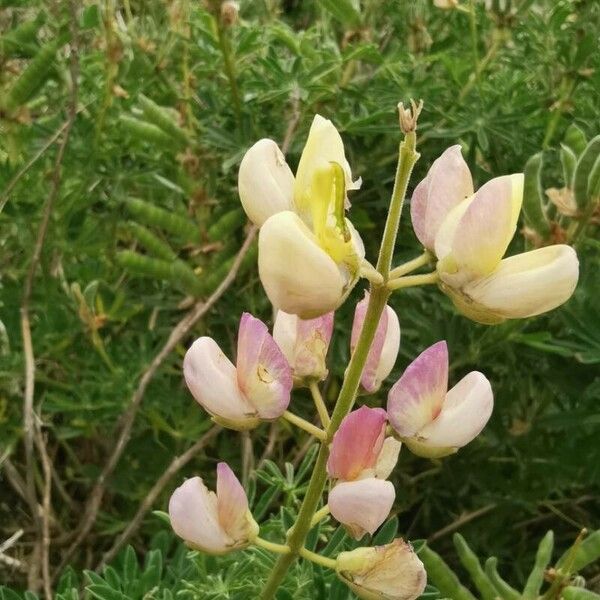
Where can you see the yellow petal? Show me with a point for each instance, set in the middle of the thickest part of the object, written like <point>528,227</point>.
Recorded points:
<point>323,146</point>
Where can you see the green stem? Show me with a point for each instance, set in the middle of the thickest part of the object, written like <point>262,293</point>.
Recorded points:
<point>411,265</point>
<point>413,280</point>
<point>272,546</point>
<point>319,515</point>
<point>377,301</point>
<point>330,563</point>
<point>406,162</point>
<point>319,403</point>
<point>229,69</point>
<point>304,424</point>
<point>568,86</point>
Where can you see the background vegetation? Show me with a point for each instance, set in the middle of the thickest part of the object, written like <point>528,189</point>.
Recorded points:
<point>122,126</point>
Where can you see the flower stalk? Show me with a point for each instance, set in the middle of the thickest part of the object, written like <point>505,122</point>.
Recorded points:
<point>319,403</point>
<point>379,295</point>
<point>272,546</point>
<point>411,265</point>
<point>305,425</point>
<point>412,280</point>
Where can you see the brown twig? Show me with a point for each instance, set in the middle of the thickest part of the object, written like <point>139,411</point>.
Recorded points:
<point>462,520</point>
<point>270,445</point>
<point>45,512</point>
<point>126,422</point>
<point>6,545</point>
<point>29,424</point>
<point>14,478</point>
<point>176,464</point>
<point>23,170</point>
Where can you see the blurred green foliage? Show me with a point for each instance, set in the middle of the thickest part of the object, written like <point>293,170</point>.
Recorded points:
<point>171,94</point>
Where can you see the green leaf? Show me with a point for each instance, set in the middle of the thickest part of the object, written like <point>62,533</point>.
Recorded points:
<point>345,11</point>
<point>533,197</point>
<point>584,167</point>
<point>387,533</point>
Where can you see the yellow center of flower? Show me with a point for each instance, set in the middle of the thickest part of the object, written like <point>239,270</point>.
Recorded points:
<point>324,203</point>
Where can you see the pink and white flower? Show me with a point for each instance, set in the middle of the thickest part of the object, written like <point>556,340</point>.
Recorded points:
<point>430,419</point>
<point>384,349</point>
<point>238,397</point>
<point>360,459</point>
<point>214,523</point>
<point>304,344</point>
<point>470,233</point>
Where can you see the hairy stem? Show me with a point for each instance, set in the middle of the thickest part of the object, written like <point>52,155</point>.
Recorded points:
<point>348,392</point>
<point>406,162</point>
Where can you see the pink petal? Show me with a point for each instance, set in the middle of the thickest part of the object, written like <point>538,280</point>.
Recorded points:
<point>417,397</point>
<point>362,506</point>
<point>263,373</point>
<point>447,183</point>
<point>467,408</point>
<point>211,378</point>
<point>418,210</point>
<point>194,517</point>
<point>391,346</point>
<point>357,443</point>
<point>232,502</point>
<point>369,374</point>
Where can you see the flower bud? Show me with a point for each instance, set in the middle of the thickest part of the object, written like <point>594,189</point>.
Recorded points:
<point>239,397</point>
<point>384,349</point>
<point>357,444</point>
<point>363,505</point>
<point>214,523</point>
<point>390,572</point>
<point>448,182</point>
<point>431,420</point>
<point>304,344</point>
<point>229,12</point>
